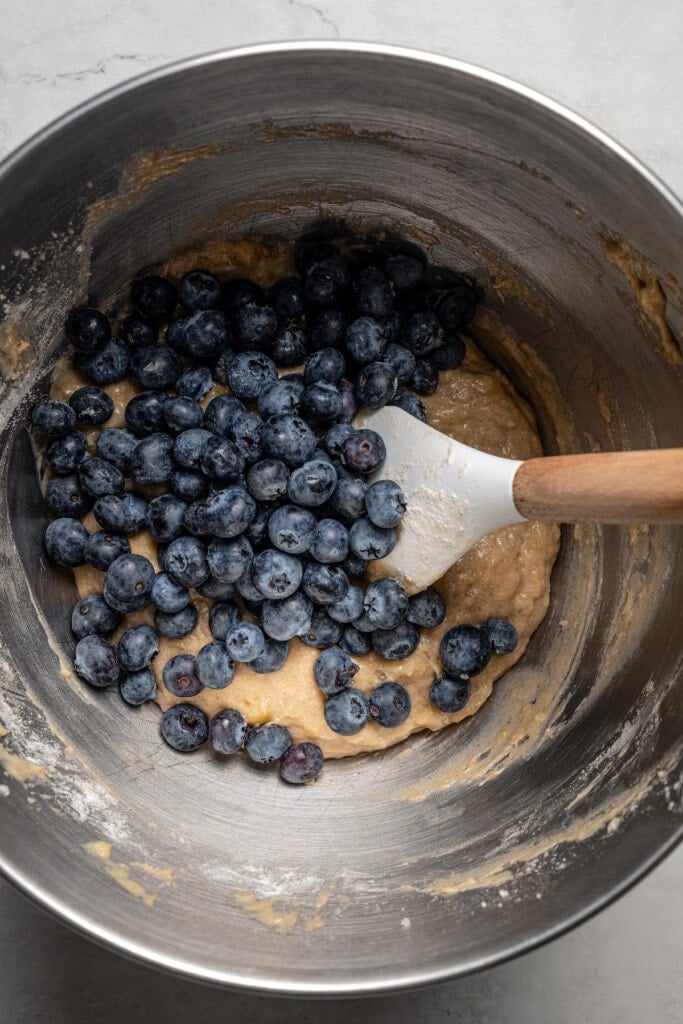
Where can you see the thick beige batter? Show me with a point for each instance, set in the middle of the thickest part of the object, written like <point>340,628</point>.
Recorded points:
<point>507,574</point>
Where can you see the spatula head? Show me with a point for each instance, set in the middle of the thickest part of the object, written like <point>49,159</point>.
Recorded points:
<point>455,495</point>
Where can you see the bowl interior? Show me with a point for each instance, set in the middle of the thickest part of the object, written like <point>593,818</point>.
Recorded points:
<point>451,850</point>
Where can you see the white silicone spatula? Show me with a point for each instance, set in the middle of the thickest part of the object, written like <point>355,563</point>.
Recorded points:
<point>456,494</point>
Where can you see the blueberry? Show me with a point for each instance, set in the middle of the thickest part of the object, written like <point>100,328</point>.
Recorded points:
<point>449,355</point>
<point>397,643</point>
<point>95,661</point>
<point>184,727</point>
<point>229,512</point>
<point>106,366</point>
<point>167,595</point>
<point>252,598</point>
<point>301,763</point>
<point>245,641</point>
<point>228,731</point>
<point>116,446</point>
<point>186,561</point>
<point>164,517</point>
<point>154,297</point>
<point>92,616</point>
<point>180,676</point>
<point>326,329</point>
<point>321,403</point>
<point>386,603</point>
<point>404,272</point>
<point>239,293</point>
<point>425,377</point>
<point>194,519</point>
<point>194,382</point>
<point>214,666</point>
<point>289,347</point>
<point>347,712</point>
<point>273,658</point>
<point>189,486</point>
<point>275,574</point>
<point>87,329</point>
<point>138,646</point>
<point>333,670</point>
<point>364,451</point>
<point>331,542</point>
<point>65,453</point>
<point>448,694</point>
<point>409,403</point>
<point>349,406</point>
<point>205,334</point>
<point>354,566</point>
<point>348,498</point>
<point>125,514</point>
<point>370,541</point>
<point>457,306</point>
<point>64,497</point>
<point>365,340</point>
<point>98,477</point>
<point>152,460</point>
<point>426,608</point>
<point>222,617</point>
<point>287,618</point>
<point>281,398</point>
<point>267,743</point>
<point>292,529</point>
<point>326,365</point>
<point>248,434</point>
<point>189,447</point>
<point>145,413</point>
<point>221,459</point>
<point>287,298</point>
<point>55,419</point>
<point>348,607</point>
<point>375,385</point>
<point>138,687</point>
<point>128,583</point>
<point>288,438</point>
<point>312,484</point>
<point>257,534</point>
<point>422,332</point>
<point>385,503</point>
<point>389,705</point>
<point>229,560</point>
<point>323,631</point>
<point>249,373</point>
<point>102,548</point>
<point>216,590</point>
<point>502,635</point>
<point>136,331</point>
<point>92,406</point>
<point>198,289</point>
<point>373,292</point>
<point>324,584</point>
<point>255,327</point>
<point>156,367</point>
<point>414,300</point>
<point>182,413</point>
<point>402,360</point>
<point>335,437</point>
<point>311,249</point>
<point>267,480</point>
<point>355,642</point>
<point>465,651</point>
<point>326,282</point>
<point>363,623</point>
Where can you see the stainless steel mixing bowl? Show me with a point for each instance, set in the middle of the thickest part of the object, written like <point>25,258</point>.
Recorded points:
<point>453,851</point>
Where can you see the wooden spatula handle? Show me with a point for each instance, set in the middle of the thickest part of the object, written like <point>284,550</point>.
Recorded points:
<point>607,487</point>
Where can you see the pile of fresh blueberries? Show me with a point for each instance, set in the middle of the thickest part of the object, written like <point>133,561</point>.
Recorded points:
<point>260,501</point>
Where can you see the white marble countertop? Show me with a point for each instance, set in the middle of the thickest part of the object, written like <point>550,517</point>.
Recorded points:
<point>619,65</point>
